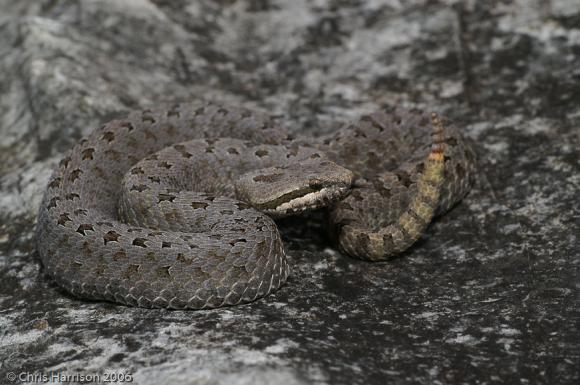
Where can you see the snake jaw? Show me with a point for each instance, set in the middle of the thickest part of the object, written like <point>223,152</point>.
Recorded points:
<point>309,201</point>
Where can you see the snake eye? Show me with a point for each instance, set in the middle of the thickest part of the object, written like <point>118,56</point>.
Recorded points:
<point>315,184</point>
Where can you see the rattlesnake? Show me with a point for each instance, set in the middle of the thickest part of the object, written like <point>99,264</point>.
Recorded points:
<point>161,209</point>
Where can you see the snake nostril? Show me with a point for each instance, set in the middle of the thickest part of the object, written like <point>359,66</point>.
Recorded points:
<point>261,153</point>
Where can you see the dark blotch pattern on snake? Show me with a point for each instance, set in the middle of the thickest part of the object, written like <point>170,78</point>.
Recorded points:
<point>173,208</point>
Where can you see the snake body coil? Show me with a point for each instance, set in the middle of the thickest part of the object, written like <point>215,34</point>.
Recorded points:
<point>167,208</point>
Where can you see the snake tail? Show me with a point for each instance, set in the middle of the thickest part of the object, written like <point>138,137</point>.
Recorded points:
<point>397,237</point>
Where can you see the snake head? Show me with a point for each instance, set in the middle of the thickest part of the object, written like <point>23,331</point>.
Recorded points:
<point>291,189</point>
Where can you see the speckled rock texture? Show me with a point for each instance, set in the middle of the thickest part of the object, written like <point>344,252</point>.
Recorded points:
<point>490,295</point>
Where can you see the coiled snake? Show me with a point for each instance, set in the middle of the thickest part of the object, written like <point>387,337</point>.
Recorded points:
<point>173,208</point>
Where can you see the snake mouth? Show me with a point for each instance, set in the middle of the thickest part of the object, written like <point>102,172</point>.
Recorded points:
<point>304,199</point>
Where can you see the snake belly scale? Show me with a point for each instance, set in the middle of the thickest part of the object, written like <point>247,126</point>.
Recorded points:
<point>174,208</point>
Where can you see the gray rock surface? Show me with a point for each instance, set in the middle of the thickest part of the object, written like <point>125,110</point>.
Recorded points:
<point>490,295</point>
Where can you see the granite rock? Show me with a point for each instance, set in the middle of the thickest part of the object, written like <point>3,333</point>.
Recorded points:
<point>489,295</point>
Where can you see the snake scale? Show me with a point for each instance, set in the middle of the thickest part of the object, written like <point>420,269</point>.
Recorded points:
<point>174,208</point>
